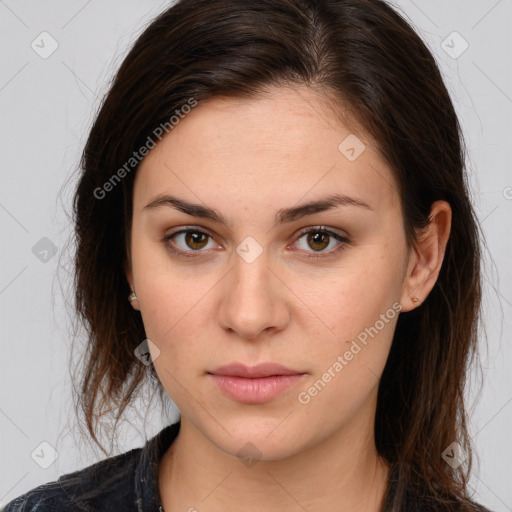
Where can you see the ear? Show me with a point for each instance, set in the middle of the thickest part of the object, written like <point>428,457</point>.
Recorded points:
<point>129,277</point>
<point>427,256</point>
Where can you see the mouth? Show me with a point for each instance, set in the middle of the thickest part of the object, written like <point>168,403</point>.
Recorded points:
<point>254,384</point>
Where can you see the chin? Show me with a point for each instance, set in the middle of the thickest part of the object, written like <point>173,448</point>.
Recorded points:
<point>258,438</point>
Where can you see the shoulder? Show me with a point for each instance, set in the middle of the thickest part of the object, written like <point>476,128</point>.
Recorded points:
<point>128,481</point>
<point>417,496</point>
<point>106,485</point>
<point>43,498</point>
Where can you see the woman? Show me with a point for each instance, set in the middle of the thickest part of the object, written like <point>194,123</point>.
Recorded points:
<point>278,188</point>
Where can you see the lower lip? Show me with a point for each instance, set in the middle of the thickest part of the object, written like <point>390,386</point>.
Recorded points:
<point>254,391</point>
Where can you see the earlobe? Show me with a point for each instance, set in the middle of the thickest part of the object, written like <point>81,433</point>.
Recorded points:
<point>427,256</point>
<point>134,301</point>
<point>132,297</point>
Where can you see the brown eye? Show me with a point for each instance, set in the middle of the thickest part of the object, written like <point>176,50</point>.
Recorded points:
<point>196,239</point>
<point>191,242</point>
<point>318,240</point>
<point>188,242</point>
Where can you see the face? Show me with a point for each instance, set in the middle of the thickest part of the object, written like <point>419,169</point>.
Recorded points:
<point>260,279</point>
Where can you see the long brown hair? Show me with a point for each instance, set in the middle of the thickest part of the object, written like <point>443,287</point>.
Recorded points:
<point>365,54</point>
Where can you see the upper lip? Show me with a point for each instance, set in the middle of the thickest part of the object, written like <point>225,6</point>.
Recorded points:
<point>254,372</point>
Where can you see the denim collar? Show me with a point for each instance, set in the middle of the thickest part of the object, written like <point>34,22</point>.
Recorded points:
<point>147,494</point>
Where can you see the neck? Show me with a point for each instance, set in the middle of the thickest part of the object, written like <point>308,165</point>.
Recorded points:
<point>342,473</point>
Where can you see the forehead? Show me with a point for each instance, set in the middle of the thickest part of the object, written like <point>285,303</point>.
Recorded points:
<point>277,148</point>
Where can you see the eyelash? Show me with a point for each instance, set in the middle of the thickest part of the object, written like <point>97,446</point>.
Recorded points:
<point>318,229</point>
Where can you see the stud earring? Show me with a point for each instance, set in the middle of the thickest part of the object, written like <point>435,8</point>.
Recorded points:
<point>415,299</point>
<point>132,296</point>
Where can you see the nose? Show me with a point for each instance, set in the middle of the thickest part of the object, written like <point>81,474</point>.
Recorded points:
<point>253,299</point>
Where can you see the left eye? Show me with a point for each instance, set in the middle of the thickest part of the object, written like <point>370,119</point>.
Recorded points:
<point>317,238</point>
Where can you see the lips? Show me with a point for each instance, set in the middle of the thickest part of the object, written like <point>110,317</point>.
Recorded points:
<point>254,372</point>
<point>254,384</point>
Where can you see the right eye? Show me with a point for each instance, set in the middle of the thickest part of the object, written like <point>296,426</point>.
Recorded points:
<point>192,238</point>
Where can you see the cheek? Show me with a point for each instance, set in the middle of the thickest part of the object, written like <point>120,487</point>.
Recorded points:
<point>358,313</point>
<point>166,291</point>
<point>346,367</point>
<point>355,296</point>
<point>171,317</point>
<point>166,301</point>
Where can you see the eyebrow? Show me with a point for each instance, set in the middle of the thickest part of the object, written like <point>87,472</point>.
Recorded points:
<point>283,216</point>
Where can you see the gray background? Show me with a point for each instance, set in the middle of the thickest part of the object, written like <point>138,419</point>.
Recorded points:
<point>47,105</point>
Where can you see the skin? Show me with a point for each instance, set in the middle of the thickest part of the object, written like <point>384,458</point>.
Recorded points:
<point>248,159</point>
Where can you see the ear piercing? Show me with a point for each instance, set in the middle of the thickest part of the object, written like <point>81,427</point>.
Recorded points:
<point>415,299</point>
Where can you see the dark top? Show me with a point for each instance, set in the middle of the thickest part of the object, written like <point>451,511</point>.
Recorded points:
<point>126,482</point>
